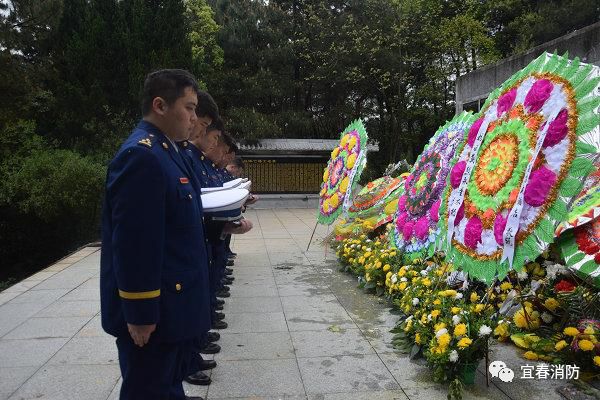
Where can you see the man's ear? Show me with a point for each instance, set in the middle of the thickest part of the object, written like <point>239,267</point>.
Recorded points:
<point>159,105</point>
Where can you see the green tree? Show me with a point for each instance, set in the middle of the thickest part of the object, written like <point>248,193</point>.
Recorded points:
<point>207,55</point>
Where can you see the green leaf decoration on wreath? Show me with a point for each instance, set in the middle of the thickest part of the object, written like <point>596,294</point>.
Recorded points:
<point>342,173</point>
<point>519,168</point>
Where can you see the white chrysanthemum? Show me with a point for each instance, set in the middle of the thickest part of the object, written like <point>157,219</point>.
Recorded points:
<point>546,317</point>
<point>424,272</point>
<point>453,356</point>
<point>523,275</point>
<point>394,278</point>
<point>441,332</point>
<point>415,301</point>
<point>458,296</point>
<point>485,330</point>
<point>403,279</point>
<point>552,270</point>
<point>456,319</point>
<point>409,318</point>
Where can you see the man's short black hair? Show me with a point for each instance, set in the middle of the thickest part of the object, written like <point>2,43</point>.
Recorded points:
<point>216,125</point>
<point>229,142</point>
<point>207,107</point>
<point>168,84</point>
<point>238,162</point>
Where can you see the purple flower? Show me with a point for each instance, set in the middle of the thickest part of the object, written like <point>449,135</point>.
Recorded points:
<point>539,185</point>
<point>557,130</point>
<point>537,95</point>
<point>473,232</point>
<point>506,101</point>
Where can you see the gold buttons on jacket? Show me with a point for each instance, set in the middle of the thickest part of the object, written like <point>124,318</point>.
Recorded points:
<point>178,287</point>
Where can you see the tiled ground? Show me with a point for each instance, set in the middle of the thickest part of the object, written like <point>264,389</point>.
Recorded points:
<point>298,328</point>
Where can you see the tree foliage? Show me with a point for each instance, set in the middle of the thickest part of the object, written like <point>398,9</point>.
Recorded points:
<point>71,72</point>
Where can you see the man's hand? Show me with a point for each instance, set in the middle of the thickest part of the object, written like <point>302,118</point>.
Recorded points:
<point>251,200</point>
<point>233,229</point>
<point>141,333</point>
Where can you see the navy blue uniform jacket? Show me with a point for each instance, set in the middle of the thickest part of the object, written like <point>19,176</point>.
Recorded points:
<point>154,264</point>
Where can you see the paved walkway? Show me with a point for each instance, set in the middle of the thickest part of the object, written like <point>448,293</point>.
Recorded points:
<point>298,328</point>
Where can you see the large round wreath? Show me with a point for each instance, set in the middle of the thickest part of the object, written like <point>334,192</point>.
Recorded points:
<point>373,194</point>
<point>581,250</point>
<point>415,229</point>
<point>543,109</point>
<point>343,170</point>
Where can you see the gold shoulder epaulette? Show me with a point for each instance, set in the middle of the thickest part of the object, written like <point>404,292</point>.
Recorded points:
<point>146,142</point>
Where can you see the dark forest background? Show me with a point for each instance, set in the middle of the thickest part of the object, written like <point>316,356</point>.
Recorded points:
<point>71,72</point>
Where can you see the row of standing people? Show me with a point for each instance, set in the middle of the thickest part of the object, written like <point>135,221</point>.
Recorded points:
<point>164,261</point>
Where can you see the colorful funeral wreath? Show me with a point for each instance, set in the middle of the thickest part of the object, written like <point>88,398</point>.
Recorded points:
<point>586,205</point>
<point>519,165</point>
<point>342,172</point>
<point>581,250</point>
<point>416,220</point>
<point>373,194</point>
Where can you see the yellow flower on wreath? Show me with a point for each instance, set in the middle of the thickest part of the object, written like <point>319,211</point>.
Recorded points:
<point>597,361</point>
<point>560,345</point>
<point>531,321</point>
<point>506,286</point>
<point>530,355</point>
<point>551,303</point>
<point>589,330</point>
<point>439,326</point>
<point>570,331</point>
<point>386,267</point>
<point>479,308</point>
<point>455,310</point>
<point>435,313</point>
<point>460,330</point>
<point>586,345</point>
<point>502,331</point>
<point>464,343</point>
<point>418,338</point>
<point>474,297</point>
<point>444,340</point>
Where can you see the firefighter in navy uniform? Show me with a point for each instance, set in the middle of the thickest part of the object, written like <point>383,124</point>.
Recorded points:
<point>154,264</point>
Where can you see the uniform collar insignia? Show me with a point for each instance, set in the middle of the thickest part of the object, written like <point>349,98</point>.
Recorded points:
<point>146,142</point>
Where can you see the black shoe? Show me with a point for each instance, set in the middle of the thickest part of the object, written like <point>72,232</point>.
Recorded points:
<point>228,281</point>
<point>219,325</point>
<point>223,293</point>
<point>229,263</point>
<point>199,378</point>
<point>219,307</point>
<point>220,302</point>
<point>228,271</point>
<point>207,364</point>
<point>225,288</point>
<point>213,336</point>
<point>211,348</point>
<point>217,316</point>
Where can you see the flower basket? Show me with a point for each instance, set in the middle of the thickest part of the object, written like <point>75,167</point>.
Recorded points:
<point>467,371</point>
